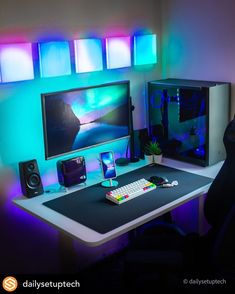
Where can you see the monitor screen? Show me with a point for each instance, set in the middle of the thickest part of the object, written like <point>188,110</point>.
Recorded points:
<point>85,117</point>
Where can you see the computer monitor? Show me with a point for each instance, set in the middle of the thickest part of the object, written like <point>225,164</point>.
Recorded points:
<point>81,118</point>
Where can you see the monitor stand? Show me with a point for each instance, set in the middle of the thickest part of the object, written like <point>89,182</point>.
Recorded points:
<point>125,161</point>
<point>132,141</point>
<point>109,183</point>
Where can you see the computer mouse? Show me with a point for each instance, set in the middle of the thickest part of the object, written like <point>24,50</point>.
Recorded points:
<point>158,180</point>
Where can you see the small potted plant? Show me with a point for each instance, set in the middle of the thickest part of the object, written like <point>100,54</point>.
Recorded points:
<point>153,152</point>
<point>148,154</point>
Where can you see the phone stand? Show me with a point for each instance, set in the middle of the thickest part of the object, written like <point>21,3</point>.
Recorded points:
<point>109,183</point>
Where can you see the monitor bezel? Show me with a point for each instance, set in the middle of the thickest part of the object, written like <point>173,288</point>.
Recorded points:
<point>43,110</point>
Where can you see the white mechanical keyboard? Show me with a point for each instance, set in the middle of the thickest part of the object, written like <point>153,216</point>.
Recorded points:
<point>130,191</point>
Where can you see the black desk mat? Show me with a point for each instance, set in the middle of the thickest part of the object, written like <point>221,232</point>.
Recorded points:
<point>90,207</point>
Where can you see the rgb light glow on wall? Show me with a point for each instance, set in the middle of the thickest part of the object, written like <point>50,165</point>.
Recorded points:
<point>54,59</point>
<point>16,62</point>
<point>88,55</point>
<point>145,49</point>
<point>118,53</point>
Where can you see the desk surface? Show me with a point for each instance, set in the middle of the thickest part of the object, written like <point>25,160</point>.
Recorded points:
<point>94,235</point>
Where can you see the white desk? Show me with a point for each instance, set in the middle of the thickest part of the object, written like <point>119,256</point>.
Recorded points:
<point>93,238</point>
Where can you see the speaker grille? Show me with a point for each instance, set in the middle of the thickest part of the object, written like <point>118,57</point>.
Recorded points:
<point>30,179</point>
<point>33,180</point>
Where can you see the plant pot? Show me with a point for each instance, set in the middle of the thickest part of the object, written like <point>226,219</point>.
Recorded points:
<point>157,158</point>
<point>150,158</point>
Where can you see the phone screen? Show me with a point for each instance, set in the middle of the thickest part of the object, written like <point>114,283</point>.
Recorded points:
<point>108,165</point>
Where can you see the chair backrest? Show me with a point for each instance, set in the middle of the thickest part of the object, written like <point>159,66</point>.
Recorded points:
<point>221,195</point>
<point>223,252</point>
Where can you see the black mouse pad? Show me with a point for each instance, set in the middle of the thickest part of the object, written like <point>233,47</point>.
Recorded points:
<point>90,208</point>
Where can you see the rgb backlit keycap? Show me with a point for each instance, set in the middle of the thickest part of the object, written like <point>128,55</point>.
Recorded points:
<point>130,191</point>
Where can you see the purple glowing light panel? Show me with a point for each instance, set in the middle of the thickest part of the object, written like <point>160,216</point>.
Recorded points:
<point>118,53</point>
<point>54,59</point>
<point>16,62</point>
<point>88,55</point>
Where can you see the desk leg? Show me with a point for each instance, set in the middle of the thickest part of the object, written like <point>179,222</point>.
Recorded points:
<point>67,254</point>
<point>201,214</point>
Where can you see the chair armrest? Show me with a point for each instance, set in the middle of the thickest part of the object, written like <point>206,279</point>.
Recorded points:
<point>223,250</point>
<point>164,228</point>
<point>160,237</point>
<point>159,259</point>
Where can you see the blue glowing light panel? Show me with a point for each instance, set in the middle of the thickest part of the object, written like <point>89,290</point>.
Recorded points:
<point>54,59</point>
<point>145,49</point>
<point>16,62</point>
<point>88,55</point>
<point>118,53</point>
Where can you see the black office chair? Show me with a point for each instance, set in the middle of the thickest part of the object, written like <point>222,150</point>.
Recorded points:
<point>165,255</point>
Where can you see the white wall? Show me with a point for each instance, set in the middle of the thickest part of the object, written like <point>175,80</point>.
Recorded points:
<point>198,40</point>
<point>33,21</point>
<point>32,17</point>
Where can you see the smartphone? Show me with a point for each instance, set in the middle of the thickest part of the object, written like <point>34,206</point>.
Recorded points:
<point>108,165</point>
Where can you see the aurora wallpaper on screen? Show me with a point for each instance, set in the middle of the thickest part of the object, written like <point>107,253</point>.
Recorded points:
<point>85,117</point>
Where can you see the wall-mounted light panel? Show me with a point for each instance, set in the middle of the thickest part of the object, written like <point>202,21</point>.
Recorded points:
<point>16,62</point>
<point>145,49</point>
<point>88,55</point>
<point>54,59</point>
<point>118,53</point>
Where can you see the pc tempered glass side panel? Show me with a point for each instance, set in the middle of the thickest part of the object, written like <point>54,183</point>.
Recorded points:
<point>192,103</point>
<point>155,109</point>
<point>179,122</point>
<point>85,117</point>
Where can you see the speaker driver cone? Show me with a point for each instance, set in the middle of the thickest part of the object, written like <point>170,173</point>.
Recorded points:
<point>34,180</point>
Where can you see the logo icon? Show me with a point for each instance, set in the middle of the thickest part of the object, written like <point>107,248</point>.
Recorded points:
<point>9,284</point>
